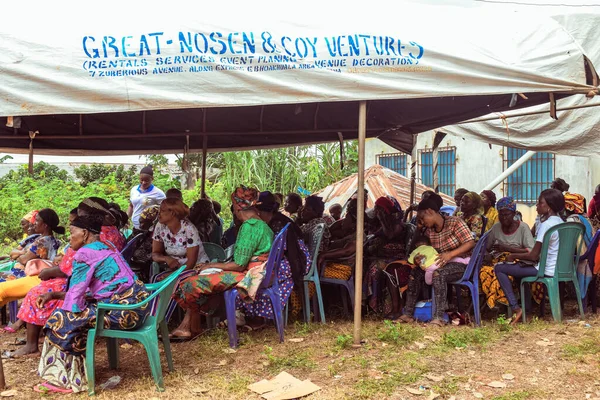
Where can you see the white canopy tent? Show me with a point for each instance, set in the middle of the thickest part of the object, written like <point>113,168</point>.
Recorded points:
<point>129,78</point>
<point>577,130</point>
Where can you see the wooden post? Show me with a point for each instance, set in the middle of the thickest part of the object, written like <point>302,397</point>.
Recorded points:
<point>204,151</point>
<point>360,221</point>
<point>2,381</point>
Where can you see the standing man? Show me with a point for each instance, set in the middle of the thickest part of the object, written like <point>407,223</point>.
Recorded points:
<point>143,196</point>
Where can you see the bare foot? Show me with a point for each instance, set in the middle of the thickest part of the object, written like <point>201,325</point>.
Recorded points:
<point>406,319</point>
<point>516,317</point>
<point>181,333</point>
<point>27,350</point>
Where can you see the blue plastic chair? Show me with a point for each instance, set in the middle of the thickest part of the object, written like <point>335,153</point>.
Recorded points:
<point>314,243</point>
<point>470,278</point>
<point>269,285</point>
<point>130,247</point>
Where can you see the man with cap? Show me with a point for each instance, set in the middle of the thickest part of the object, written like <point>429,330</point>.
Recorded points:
<point>143,196</point>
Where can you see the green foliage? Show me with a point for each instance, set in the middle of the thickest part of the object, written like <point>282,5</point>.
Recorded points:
<point>124,177</point>
<point>579,350</point>
<point>399,334</point>
<point>343,341</point>
<point>301,360</point>
<point>503,323</point>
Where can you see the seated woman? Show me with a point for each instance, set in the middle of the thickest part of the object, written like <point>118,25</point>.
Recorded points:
<point>488,199</point>
<point>29,236</point>
<point>451,237</point>
<point>471,211</point>
<point>23,276</point>
<point>53,279</point>
<point>176,243</point>
<point>201,293</point>
<point>294,264</point>
<point>510,235</point>
<point>141,260</point>
<point>388,245</point>
<point>100,274</point>
<point>204,218</point>
<point>550,203</point>
<point>110,232</point>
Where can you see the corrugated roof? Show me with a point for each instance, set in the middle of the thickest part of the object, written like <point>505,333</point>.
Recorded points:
<point>379,181</point>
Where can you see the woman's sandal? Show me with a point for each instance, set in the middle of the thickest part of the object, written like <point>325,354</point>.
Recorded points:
<point>48,388</point>
<point>9,329</point>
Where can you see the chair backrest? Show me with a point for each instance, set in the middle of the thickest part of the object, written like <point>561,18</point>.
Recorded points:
<point>164,290</point>
<point>214,251</point>
<point>569,249</point>
<point>476,258</point>
<point>484,218</point>
<point>314,243</point>
<point>129,248</point>
<point>274,259</point>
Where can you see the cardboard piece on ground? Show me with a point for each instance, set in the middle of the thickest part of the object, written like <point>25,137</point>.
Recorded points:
<point>283,387</point>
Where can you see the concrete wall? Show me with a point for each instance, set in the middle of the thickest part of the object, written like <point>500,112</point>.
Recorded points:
<point>477,164</point>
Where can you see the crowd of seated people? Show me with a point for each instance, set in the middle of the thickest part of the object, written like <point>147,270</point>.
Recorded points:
<point>59,284</point>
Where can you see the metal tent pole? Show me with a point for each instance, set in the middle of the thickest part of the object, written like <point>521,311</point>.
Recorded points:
<point>204,151</point>
<point>360,221</point>
<point>524,158</point>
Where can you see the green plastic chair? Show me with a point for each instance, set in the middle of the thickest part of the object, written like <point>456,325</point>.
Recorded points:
<point>146,334</point>
<point>570,236</point>
<point>214,252</point>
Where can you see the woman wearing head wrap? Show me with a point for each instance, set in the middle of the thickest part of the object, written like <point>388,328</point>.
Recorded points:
<point>488,198</point>
<point>99,273</point>
<point>471,211</point>
<point>518,264</point>
<point>201,293</point>
<point>509,235</point>
<point>143,196</point>
<point>451,238</point>
<point>29,237</point>
<point>110,234</point>
<point>294,265</point>
<point>141,260</point>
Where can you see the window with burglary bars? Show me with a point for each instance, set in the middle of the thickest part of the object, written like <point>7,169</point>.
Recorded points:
<point>526,183</point>
<point>446,169</point>
<point>397,162</point>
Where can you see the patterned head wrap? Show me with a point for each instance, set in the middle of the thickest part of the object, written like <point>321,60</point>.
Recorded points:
<point>30,216</point>
<point>92,223</point>
<point>574,203</point>
<point>386,204</point>
<point>96,205</point>
<point>477,202</point>
<point>244,197</point>
<point>506,203</point>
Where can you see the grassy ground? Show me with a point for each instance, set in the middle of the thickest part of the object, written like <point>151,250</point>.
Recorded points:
<point>539,360</point>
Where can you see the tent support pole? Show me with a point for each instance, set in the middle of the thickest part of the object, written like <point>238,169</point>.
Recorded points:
<point>524,158</point>
<point>204,151</point>
<point>360,220</point>
<point>437,140</point>
<point>413,172</point>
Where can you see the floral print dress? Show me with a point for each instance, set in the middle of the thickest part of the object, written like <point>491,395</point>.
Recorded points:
<point>44,247</point>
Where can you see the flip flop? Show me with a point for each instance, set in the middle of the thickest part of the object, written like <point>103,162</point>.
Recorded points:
<point>180,339</point>
<point>48,388</point>
<point>9,329</point>
<point>7,355</point>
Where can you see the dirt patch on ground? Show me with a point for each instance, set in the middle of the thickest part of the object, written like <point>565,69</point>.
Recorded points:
<point>539,360</point>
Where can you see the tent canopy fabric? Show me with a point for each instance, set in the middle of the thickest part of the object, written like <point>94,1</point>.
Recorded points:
<point>256,78</point>
<point>577,131</point>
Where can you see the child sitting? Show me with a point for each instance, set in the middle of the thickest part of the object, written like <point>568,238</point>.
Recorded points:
<point>425,257</point>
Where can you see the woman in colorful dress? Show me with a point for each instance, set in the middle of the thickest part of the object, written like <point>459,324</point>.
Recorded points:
<point>99,273</point>
<point>510,235</point>
<point>471,211</point>
<point>29,236</point>
<point>202,293</point>
<point>175,242</point>
<point>488,198</point>
<point>550,203</point>
<point>294,264</point>
<point>23,276</point>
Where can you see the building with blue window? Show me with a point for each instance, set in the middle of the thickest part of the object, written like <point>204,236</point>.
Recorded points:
<point>473,165</point>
